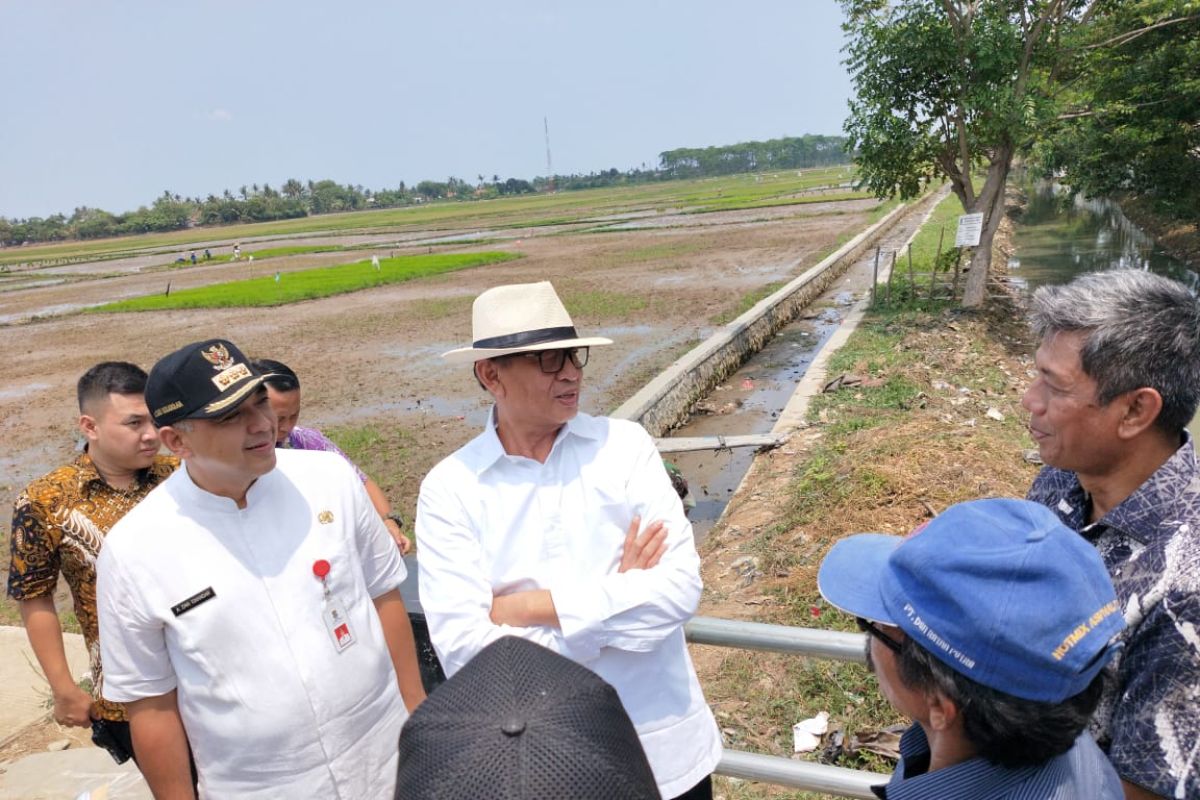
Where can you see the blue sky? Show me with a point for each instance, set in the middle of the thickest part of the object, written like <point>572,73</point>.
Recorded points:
<point>108,103</point>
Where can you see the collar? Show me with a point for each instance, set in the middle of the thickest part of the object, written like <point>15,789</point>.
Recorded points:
<point>88,476</point>
<point>86,472</point>
<point>489,450</point>
<point>1141,515</point>
<point>191,495</point>
<point>973,779</point>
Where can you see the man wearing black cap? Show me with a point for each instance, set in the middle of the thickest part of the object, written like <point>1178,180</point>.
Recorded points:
<point>250,605</point>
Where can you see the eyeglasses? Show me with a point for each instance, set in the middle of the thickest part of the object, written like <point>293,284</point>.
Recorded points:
<point>871,629</point>
<point>552,361</point>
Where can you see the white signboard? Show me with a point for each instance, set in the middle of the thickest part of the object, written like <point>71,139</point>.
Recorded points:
<point>969,228</point>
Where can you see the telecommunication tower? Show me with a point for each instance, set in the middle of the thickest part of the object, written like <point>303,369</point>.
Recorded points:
<point>549,163</point>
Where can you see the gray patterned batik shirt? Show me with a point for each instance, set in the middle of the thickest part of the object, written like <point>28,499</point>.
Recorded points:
<point>1149,718</point>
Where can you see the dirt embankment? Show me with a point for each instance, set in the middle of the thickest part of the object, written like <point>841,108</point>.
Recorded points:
<point>1178,237</point>
<point>931,417</point>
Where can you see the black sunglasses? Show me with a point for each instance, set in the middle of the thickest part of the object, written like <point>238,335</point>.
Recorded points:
<point>552,361</point>
<point>870,629</point>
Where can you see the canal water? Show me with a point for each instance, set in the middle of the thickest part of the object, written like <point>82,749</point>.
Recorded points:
<point>1059,237</point>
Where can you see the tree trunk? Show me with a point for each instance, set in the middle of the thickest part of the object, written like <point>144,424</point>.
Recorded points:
<point>991,204</point>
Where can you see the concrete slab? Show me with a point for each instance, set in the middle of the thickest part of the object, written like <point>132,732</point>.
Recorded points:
<point>85,774</point>
<point>24,693</point>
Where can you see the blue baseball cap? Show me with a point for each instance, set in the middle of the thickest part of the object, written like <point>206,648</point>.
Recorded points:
<point>998,590</point>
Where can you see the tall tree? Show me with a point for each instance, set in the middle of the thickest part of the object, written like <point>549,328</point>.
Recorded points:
<point>948,88</point>
<point>1131,121</point>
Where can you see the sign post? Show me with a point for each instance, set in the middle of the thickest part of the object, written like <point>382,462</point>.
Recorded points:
<point>970,226</point>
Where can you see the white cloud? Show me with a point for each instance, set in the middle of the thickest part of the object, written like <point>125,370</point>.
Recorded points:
<point>220,115</point>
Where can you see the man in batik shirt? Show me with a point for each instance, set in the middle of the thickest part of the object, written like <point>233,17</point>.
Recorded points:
<point>1118,382</point>
<point>59,524</point>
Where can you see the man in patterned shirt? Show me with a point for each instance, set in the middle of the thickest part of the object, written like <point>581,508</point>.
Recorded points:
<point>61,519</point>
<point>1118,380</point>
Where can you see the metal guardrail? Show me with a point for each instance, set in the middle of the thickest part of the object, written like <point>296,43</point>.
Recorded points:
<point>833,645</point>
<point>799,774</point>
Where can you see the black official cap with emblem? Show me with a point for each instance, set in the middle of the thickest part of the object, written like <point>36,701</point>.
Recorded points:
<point>520,722</point>
<point>201,380</point>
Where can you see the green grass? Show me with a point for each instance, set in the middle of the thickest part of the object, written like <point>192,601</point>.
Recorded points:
<point>308,284</point>
<point>930,257</point>
<point>601,305</point>
<point>275,252</point>
<point>735,204</point>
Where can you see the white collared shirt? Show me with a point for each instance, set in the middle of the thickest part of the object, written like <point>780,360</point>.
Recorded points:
<point>270,706</point>
<point>490,523</point>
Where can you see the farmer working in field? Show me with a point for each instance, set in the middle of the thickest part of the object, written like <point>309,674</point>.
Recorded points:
<point>989,627</point>
<point>59,525</point>
<point>251,605</point>
<point>534,529</point>
<point>283,391</point>
<point>1118,382</point>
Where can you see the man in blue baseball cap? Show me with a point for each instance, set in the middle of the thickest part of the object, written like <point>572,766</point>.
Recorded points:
<point>990,627</point>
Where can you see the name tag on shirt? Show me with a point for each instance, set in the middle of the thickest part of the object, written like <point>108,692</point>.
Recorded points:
<point>203,596</point>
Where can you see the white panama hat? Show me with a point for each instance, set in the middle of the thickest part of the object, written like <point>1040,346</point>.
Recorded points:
<point>518,319</point>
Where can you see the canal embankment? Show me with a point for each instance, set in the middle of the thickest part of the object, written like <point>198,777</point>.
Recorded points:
<point>924,412</point>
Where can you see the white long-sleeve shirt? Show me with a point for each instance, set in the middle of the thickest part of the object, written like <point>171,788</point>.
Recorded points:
<point>489,523</point>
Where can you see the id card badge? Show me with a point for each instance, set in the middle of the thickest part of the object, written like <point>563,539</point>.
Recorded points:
<point>333,616</point>
<point>337,624</point>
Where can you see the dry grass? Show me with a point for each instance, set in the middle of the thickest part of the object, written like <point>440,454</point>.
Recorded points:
<point>908,437</point>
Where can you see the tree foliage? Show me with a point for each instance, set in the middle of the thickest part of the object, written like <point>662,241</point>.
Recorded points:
<point>948,88</point>
<point>254,203</point>
<point>792,152</point>
<point>1131,105</point>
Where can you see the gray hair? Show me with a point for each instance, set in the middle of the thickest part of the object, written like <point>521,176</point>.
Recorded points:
<point>1141,330</point>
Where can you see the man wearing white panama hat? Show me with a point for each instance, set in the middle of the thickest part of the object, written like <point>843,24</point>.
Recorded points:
<point>534,529</point>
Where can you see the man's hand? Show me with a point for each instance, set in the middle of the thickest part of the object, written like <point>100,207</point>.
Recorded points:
<point>73,707</point>
<point>644,551</point>
<point>402,541</point>
<point>525,609</point>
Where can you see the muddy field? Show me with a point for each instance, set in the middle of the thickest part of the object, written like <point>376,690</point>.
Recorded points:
<point>369,360</point>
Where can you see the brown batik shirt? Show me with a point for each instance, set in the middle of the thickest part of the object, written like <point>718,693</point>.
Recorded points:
<point>59,523</point>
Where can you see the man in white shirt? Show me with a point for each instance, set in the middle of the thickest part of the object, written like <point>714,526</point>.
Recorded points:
<point>534,529</point>
<point>250,605</point>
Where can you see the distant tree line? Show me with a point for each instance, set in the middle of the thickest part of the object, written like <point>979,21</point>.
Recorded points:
<point>792,152</point>
<point>255,203</point>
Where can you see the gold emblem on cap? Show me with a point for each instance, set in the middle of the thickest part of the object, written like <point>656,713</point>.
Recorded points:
<point>218,356</point>
<point>325,517</point>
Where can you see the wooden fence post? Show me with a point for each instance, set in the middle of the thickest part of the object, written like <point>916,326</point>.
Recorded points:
<point>875,276</point>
